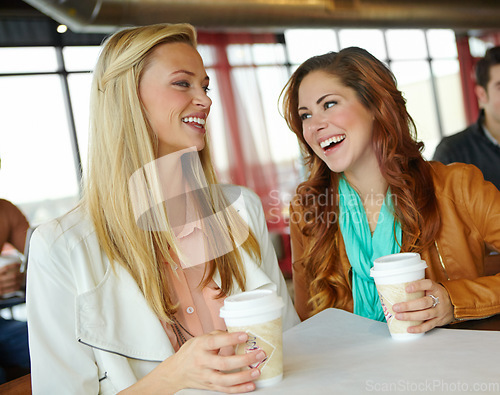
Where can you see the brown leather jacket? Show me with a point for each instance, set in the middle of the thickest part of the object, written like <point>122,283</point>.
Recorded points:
<point>470,221</point>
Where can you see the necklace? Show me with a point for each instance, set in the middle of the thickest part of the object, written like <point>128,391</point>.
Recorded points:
<point>177,326</point>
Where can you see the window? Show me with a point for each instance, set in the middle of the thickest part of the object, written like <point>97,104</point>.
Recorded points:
<point>38,170</point>
<point>36,140</point>
<point>425,65</point>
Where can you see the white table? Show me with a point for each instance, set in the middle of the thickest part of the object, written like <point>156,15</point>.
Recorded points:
<point>336,352</point>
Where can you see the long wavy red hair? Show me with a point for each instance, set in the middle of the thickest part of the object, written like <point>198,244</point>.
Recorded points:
<point>399,158</point>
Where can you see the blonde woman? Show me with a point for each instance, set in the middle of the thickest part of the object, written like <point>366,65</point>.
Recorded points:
<point>124,291</point>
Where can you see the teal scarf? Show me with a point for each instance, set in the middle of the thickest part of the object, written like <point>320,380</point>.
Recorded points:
<point>362,248</point>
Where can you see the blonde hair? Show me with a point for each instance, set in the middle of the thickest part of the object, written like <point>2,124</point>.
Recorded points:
<point>121,142</point>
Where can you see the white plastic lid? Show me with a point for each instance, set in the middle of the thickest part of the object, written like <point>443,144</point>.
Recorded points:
<point>259,301</point>
<point>375,273</point>
<point>396,261</point>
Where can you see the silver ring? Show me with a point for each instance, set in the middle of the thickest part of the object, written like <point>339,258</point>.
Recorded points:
<point>435,301</point>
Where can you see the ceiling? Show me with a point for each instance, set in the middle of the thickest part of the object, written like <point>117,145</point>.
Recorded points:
<point>22,25</point>
<point>33,22</point>
<point>106,15</point>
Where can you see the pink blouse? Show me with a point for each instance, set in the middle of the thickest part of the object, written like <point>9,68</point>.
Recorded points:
<point>198,310</point>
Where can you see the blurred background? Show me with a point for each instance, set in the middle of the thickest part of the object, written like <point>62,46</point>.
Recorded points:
<point>250,48</point>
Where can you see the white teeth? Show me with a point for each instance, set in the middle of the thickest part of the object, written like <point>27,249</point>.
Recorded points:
<point>334,139</point>
<point>199,121</point>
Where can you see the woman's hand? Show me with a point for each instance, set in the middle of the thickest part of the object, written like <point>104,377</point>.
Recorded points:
<point>198,364</point>
<point>422,309</point>
<point>11,279</point>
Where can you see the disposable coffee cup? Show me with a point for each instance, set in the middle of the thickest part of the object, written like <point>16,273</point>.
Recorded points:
<point>392,273</point>
<point>258,313</point>
<point>8,260</point>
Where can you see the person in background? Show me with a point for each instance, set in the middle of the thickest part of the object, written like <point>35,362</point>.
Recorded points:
<point>124,291</point>
<point>14,353</point>
<point>370,193</point>
<point>479,144</point>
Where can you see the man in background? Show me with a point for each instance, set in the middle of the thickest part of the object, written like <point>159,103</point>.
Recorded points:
<point>479,144</point>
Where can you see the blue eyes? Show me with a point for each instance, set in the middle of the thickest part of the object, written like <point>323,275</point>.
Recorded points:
<point>186,84</point>
<point>326,106</point>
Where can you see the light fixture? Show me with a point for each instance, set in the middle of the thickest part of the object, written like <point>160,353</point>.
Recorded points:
<point>62,29</point>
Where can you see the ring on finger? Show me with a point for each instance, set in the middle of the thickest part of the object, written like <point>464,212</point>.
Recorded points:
<point>435,300</point>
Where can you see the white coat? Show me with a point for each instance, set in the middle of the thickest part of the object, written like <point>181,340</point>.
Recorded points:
<point>90,328</point>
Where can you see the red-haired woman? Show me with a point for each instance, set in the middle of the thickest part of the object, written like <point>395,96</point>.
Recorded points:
<point>370,193</point>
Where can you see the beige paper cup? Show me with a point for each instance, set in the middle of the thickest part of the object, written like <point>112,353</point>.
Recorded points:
<point>8,260</point>
<point>258,313</point>
<point>391,274</point>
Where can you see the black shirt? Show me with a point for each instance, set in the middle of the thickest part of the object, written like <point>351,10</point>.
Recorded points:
<point>474,147</point>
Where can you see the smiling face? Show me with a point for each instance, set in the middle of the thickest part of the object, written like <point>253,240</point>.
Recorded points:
<point>173,89</point>
<point>335,124</point>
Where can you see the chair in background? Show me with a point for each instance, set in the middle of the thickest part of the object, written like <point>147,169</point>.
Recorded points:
<point>20,386</point>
